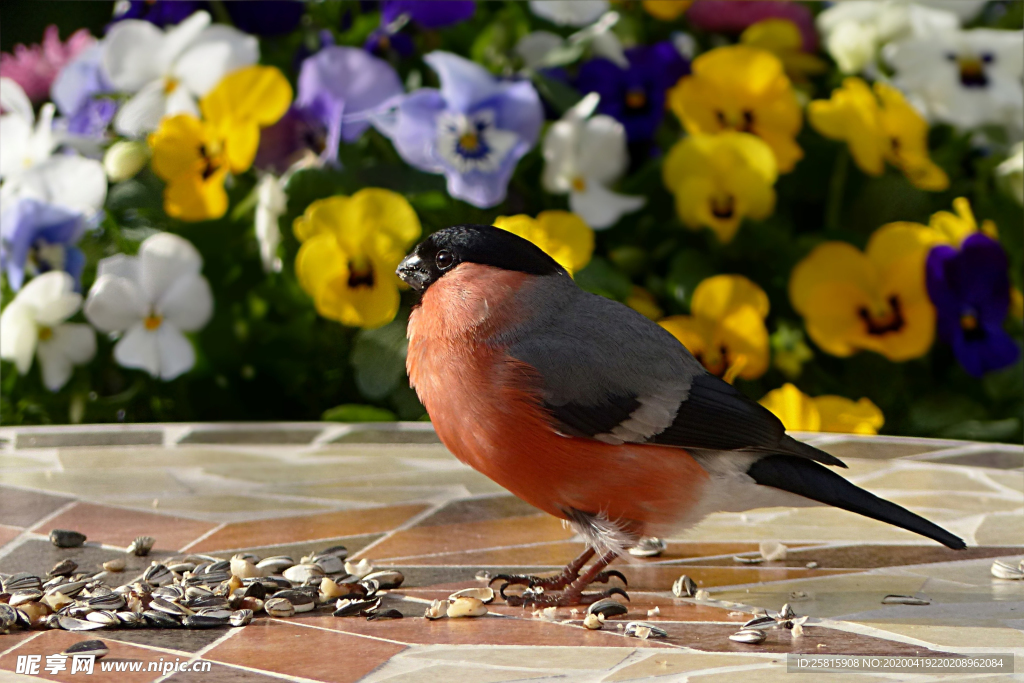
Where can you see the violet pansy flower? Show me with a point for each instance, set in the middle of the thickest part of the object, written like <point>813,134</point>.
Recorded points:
<point>635,94</point>
<point>474,129</point>
<point>77,91</point>
<point>428,14</point>
<point>971,292</point>
<point>36,237</point>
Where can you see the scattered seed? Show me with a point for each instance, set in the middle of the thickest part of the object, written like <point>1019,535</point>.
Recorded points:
<point>639,629</point>
<point>466,607</point>
<point>241,617</point>
<point>748,560</point>
<point>772,551</point>
<point>141,546</point>
<point>243,568</point>
<point>73,624</point>
<point>593,622</point>
<point>65,567</point>
<point>115,565</point>
<point>654,612</point>
<point>811,565</point>
<point>649,546</point>
<point>701,594</point>
<point>438,609</point>
<point>607,608</point>
<point>749,636</point>
<point>684,587</point>
<point>301,573</point>
<point>358,569</point>
<point>786,612</point>
<point>1003,570</point>
<point>761,623</point>
<point>279,607</point>
<point>484,595</point>
<point>96,648</point>
<point>483,575</point>
<point>63,538</point>
<point>904,600</point>
<point>275,565</point>
<point>388,578</point>
<point>386,614</point>
<point>24,596</point>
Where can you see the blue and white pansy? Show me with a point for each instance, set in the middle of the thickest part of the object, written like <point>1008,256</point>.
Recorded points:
<point>474,129</point>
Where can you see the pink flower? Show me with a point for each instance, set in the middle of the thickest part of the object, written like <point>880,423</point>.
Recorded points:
<point>34,67</point>
<point>732,16</point>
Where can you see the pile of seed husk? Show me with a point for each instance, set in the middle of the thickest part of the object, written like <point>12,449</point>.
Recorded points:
<point>194,591</point>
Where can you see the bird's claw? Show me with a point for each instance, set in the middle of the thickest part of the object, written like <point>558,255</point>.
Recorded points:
<point>547,582</point>
<point>604,577</point>
<point>565,599</point>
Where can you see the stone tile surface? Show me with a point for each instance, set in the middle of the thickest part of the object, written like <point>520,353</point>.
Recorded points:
<point>393,494</point>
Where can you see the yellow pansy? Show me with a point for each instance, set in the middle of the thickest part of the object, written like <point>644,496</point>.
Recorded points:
<point>666,10</point>
<point>720,179</point>
<point>782,38</point>
<point>350,249</point>
<point>562,235</point>
<point>878,126</point>
<point>725,330</point>
<point>194,156</point>
<point>800,412</point>
<point>874,300</point>
<point>741,88</point>
<point>954,228</point>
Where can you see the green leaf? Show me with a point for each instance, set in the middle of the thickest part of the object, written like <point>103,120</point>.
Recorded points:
<point>354,412</point>
<point>561,96</point>
<point>600,277</point>
<point>983,430</point>
<point>379,359</point>
<point>687,269</point>
<point>933,415</point>
<point>1006,384</point>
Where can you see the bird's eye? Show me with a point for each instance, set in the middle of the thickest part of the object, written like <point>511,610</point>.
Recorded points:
<point>444,259</point>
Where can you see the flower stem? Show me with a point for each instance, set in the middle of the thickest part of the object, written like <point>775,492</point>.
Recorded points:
<point>834,205</point>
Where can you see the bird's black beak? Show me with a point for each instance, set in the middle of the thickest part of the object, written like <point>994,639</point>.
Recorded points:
<point>412,270</point>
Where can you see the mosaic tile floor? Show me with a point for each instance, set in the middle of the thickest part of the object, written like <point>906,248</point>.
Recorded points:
<point>393,494</point>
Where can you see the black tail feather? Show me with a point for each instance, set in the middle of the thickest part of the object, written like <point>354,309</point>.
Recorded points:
<point>810,480</point>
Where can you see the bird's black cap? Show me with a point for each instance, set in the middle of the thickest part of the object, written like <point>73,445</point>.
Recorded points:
<point>444,250</point>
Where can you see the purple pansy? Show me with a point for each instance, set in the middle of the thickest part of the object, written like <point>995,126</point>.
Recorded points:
<point>428,13</point>
<point>971,292</point>
<point>474,129</point>
<point>159,12</point>
<point>338,88</point>
<point>733,16</point>
<point>635,95</point>
<point>36,237</point>
<point>77,93</point>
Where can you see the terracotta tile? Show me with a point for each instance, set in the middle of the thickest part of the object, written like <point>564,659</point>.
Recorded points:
<point>37,555</point>
<point>308,527</point>
<point>489,630</point>
<point>222,673</point>
<point>674,663</point>
<point>479,510</point>
<point>8,533</point>
<point>115,526</point>
<point>24,508</point>
<point>54,642</point>
<point>295,650</point>
<point>471,535</point>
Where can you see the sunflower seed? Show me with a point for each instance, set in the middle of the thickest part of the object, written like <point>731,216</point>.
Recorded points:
<point>749,636</point>
<point>24,596</point>
<point>160,619</point>
<point>639,629</point>
<point>1004,570</point>
<point>300,573</point>
<point>593,622</point>
<point>216,612</point>
<point>70,589</point>
<point>130,619</point>
<point>904,600</point>
<point>65,567</point>
<point>761,623</point>
<point>358,569</point>
<point>607,608</point>
<point>63,538</point>
<point>168,607</point>
<point>466,607</point>
<point>96,648</point>
<point>484,595</point>
<point>241,617</point>
<point>72,624</point>
<point>649,546</point>
<point>244,568</point>
<point>279,607</point>
<point>438,609</point>
<point>157,575</point>
<point>103,617</point>
<point>203,621</point>
<point>301,601</point>
<point>141,546</point>
<point>482,575</point>
<point>21,581</point>
<point>748,560</point>
<point>331,564</point>
<point>275,565</point>
<point>112,601</point>
<point>786,612</point>
<point>386,614</point>
<point>8,616</point>
<point>684,587</point>
<point>351,608</point>
<point>388,578</point>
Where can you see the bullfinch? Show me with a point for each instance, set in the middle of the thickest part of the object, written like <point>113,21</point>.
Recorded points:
<point>591,412</point>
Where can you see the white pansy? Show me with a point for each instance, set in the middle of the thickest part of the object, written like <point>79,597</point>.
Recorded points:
<point>33,325</point>
<point>545,49</point>
<point>584,154</point>
<point>569,12</point>
<point>1011,173</point>
<point>168,70</point>
<point>30,169</point>
<point>854,31</point>
<point>152,299</point>
<point>965,78</point>
<point>271,203</point>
